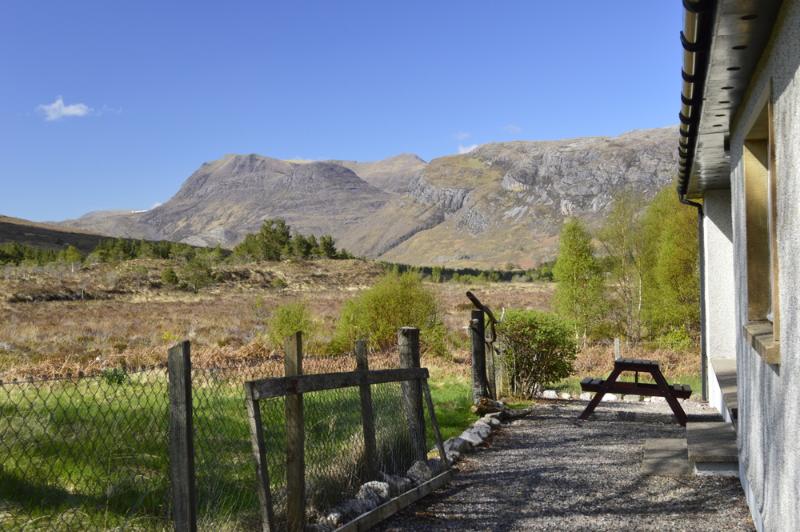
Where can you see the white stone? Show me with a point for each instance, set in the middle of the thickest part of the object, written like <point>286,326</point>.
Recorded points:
<point>482,429</point>
<point>471,437</point>
<point>491,421</point>
<point>564,395</point>
<point>632,398</point>
<point>586,396</point>
<point>549,394</point>
<point>609,397</point>
<point>397,484</point>
<point>374,490</point>
<point>420,472</point>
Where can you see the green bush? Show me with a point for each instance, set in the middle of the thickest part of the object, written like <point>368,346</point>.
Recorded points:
<point>538,349</point>
<point>196,274</point>
<point>677,339</point>
<point>169,277</point>
<point>287,319</point>
<point>115,376</point>
<point>395,301</point>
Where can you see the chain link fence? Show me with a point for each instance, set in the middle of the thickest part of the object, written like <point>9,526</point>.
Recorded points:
<point>91,452</point>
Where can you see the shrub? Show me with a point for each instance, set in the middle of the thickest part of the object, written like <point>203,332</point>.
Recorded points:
<point>287,319</point>
<point>169,277</point>
<point>395,301</point>
<point>538,349</point>
<point>115,376</point>
<point>677,339</point>
<point>196,274</point>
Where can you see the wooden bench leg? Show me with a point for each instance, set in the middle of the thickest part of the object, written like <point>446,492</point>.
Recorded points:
<point>612,378</point>
<point>680,415</point>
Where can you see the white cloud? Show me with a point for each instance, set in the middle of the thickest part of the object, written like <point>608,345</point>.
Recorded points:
<point>462,135</point>
<point>512,128</point>
<point>58,110</point>
<point>466,149</point>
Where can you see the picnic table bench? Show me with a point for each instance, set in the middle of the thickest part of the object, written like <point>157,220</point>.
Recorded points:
<point>661,388</point>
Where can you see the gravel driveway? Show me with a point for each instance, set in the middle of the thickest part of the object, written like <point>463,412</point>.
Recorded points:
<point>550,471</point>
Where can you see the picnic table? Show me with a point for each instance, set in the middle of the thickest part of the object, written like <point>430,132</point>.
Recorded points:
<point>661,388</point>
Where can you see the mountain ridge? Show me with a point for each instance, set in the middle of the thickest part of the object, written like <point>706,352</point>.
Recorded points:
<point>502,202</point>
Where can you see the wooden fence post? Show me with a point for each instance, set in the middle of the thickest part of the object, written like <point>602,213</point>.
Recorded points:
<point>367,415</point>
<point>181,438</point>
<point>408,342</point>
<point>480,387</point>
<point>295,440</point>
<point>260,455</point>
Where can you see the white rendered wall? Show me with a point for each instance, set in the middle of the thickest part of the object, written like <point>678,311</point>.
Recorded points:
<point>719,287</point>
<point>769,395</point>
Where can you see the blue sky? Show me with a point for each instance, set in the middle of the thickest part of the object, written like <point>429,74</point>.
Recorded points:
<point>151,89</point>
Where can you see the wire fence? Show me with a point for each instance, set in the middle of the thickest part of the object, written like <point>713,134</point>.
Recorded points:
<point>92,452</point>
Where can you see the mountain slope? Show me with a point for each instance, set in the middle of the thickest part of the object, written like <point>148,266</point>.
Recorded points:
<point>505,202</point>
<point>501,203</point>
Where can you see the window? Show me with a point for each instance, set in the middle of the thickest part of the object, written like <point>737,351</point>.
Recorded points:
<point>763,304</point>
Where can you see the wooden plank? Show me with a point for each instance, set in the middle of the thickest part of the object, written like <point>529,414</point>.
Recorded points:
<point>599,395</point>
<point>391,507</point>
<point>260,455</point>
<point>435,424</point>
<point>408,343</point>
<point>683,391</point>
<point>280,386</point>
<point>367,415</point>
<point>295,440</point>
<point>181,438</point>
<point>680,415</point>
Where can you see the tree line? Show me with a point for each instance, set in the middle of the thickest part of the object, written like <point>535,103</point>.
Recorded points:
<point>274,241</point>
<point>637,277</point>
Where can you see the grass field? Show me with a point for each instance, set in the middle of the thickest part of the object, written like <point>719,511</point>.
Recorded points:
<point>92,453</point>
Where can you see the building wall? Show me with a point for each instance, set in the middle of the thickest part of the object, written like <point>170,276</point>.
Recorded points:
<point>769,395</point>
<point>719,286</point>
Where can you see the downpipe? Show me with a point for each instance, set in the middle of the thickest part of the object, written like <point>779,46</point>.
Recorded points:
<point>701,259</point>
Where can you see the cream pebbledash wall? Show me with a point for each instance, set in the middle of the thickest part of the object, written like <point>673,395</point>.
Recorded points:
<point>769,395</point>
<point>719,290</point>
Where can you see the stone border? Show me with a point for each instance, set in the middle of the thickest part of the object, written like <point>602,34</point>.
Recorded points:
<point>587,396</point>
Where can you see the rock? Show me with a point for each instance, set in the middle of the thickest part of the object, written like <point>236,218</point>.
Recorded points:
<point>549,394</point>
<point>564,395</point>
<point>397,484</point>
<point>471,437</point>
<point>658,399</point>
<point>455,444</point>
<point>494,415</point>
<point>375,491</point>
<point>632,398</point>
<point>352,508</point>
<point>482,429</point>
<point>491,421</point>
<point>487,406</point>
<point>586,396</point>
<point>420,472</point>
<point>609,397</point>
<point>453,456</point>
<point>334,519</point>
<point>436,466</point>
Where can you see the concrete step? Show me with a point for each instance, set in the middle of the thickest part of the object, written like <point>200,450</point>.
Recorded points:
<point>712,448</point>
<point>666,457</point>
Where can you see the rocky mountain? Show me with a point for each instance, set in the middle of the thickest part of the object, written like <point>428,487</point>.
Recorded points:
<point>500,203</point>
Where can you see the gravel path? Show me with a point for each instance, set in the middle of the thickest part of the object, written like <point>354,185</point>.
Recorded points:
<point>551,471</point>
